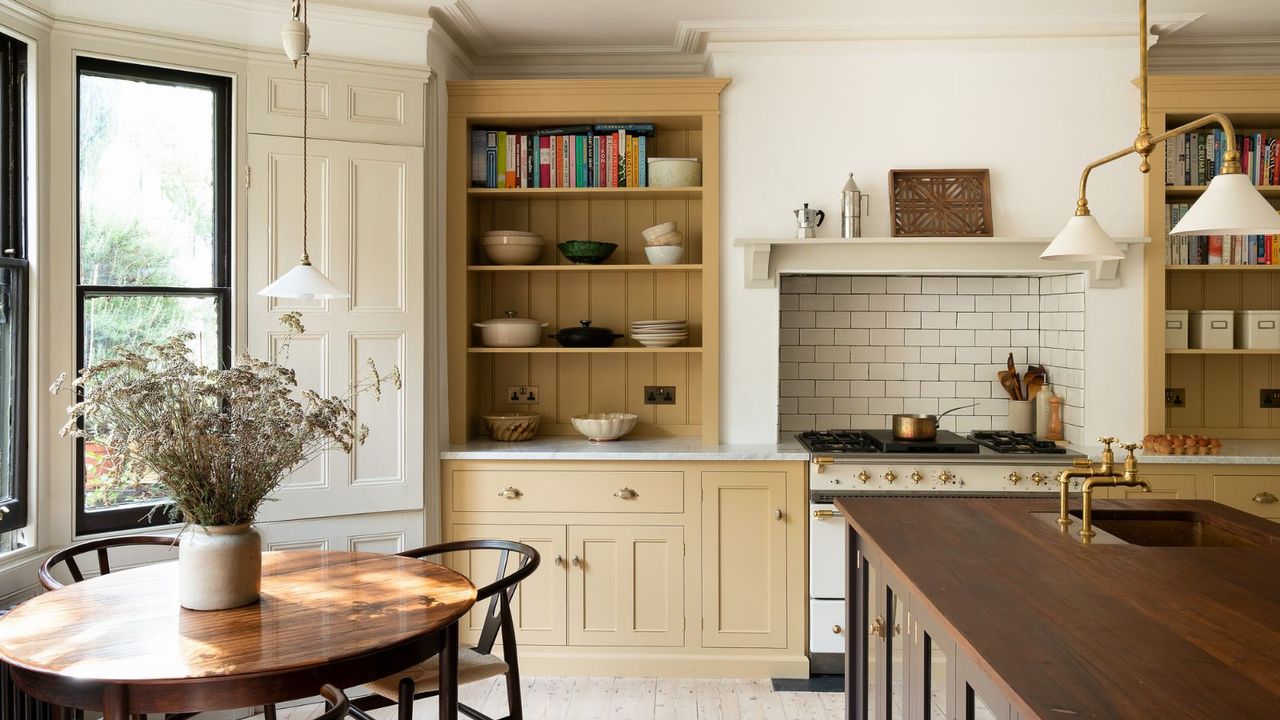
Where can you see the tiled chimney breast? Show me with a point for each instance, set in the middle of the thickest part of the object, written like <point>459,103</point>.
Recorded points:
<point>857,349</point>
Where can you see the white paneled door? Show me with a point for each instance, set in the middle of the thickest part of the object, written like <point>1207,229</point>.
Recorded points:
<point>365,230</point>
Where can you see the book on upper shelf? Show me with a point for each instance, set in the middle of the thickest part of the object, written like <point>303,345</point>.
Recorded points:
<point>606,155</point>
<point>1195,158</point>
<point>1207,250</point>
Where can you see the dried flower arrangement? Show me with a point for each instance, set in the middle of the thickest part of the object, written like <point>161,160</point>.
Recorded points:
<point>219,442</point>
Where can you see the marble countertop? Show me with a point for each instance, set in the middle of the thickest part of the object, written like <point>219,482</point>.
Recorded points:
<point>639,448</point>
<point>1234,452</point>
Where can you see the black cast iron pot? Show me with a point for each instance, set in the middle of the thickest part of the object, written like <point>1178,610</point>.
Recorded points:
<point>585,336</point>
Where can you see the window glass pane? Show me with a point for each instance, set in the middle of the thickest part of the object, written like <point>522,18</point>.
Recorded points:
<point>10,343</point>
<point>126,321</point>
<point>146,183</point>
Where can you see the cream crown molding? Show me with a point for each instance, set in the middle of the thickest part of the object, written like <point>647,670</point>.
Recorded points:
<point>28,12</point>
<point>1224,55</point>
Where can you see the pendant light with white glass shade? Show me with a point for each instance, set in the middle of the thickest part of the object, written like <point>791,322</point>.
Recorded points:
<point>304,281</point>
<point>1230,205</point>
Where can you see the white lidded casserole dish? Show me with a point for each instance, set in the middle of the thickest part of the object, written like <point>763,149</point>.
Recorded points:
<point>511,331</point>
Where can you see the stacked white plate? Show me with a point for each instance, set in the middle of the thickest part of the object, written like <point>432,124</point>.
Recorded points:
<point>659,333</point>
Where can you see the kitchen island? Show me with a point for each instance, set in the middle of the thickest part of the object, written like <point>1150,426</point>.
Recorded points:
<point>981,608</point>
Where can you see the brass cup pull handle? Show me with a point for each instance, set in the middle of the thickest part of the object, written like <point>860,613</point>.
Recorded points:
<point>1265,498</point>
<point>559,560</point>
<point>510,493</point>
<point>877,627</point>
<point>627,493</point>
<point>824,514</point>
<point>575,561</point>
<point>836,629</point>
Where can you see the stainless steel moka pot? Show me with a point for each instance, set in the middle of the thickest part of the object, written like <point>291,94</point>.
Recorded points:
<point>851,200</point>
<point>808,221</point>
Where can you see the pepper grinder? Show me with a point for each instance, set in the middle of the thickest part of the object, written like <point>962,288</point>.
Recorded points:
<point>1055,418</point>
<point>851,199</point>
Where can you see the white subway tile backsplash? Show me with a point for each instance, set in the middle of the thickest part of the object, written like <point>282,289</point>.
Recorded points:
<point>856,349</point>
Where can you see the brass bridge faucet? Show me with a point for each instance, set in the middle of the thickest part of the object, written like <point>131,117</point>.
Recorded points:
<point>1101,475</point>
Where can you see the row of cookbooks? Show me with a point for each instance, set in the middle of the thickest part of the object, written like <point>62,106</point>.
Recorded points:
<point>576,156</point>
<point>1216,249</point>
<point>1194,158</point>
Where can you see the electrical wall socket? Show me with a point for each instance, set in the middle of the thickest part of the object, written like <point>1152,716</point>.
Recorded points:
<point>1175,397</point>
<point>1269,398</point>
<point>523,394</point>
<point>659,395</point>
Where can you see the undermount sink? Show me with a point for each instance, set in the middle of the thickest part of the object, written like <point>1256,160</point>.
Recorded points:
<point>1165,528</point>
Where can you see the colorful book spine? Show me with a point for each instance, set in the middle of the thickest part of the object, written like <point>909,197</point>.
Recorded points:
<point>477,158</point>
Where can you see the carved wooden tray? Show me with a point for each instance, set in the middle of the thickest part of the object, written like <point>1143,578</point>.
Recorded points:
<point>940,203</point>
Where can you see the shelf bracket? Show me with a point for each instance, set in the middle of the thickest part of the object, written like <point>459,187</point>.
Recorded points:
<point>757,265</point>
<point>1106,273</point>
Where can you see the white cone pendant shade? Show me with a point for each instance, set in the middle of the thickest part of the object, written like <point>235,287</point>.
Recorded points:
<point>1231,205</point>
<point>295,36</point>
<point>303,282</point>
<point>1082,240</point>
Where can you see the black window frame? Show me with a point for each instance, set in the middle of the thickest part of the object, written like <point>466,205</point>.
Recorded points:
<point>14,258</point>
<point>141,515</point>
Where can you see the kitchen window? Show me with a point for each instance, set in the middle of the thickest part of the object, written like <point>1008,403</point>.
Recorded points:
<point>154,243</point>
<point>14,282</point>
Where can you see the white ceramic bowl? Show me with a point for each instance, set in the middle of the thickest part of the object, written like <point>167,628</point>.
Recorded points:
<point>513,254</point>
<point>675,172</point>
<point>658,230</point>
<point>512,427</point>
<point>600,427</point>
<point>511,331</point>
<point>664,254</point>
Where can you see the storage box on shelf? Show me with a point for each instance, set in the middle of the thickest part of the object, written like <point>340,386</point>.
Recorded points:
<point>624,288</point>
<point>1221,380</point>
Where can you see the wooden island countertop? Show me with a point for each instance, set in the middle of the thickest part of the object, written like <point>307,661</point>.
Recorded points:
<point>1091,631</point>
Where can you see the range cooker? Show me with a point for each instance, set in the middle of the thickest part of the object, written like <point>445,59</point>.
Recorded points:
<point>873,463</point>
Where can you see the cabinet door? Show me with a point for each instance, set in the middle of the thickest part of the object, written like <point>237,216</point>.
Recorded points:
<point>897,678</point>
<point>933,660</point>
<point>1163,487</point>
<point>976,696</point>
<point>744,551</point>
<point>1256,494</point>
<point>539,605</point>
<point>868,619</point>
<point>626,585</point>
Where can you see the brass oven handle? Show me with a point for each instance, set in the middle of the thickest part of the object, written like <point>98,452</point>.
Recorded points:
<point>824,514</point>
<point>510,493</point>
<point>1265,498</point>
<point>627,493</point>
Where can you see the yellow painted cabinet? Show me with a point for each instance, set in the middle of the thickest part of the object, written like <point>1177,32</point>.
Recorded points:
<point>744,543</point>
<point>540,604</point>
<point>626,585</point>
<point>1256,494</point>
<point>1170,486</point>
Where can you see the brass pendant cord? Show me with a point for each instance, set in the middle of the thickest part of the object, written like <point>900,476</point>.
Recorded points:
<point>1145,142</point>
<point>306,112</point>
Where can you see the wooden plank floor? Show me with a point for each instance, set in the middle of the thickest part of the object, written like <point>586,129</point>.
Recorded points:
<point>630,699</point>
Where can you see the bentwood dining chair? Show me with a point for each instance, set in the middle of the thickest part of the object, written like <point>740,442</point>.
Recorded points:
<point>68,556</point>
<point>474,664</point>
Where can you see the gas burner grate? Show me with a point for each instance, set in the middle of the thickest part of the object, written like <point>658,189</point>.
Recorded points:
<point>1012,443</point>
<point>836,441</point>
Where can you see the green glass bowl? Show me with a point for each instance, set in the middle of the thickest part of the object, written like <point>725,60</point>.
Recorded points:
<point>586,252</point>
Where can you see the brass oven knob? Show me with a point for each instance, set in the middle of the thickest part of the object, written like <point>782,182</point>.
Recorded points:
<point>890,476</point>
<point>1013,477</point>
<point>1037,478</point>
<point>916,476</point>
<point>863,476</point>
<point>945,477</point>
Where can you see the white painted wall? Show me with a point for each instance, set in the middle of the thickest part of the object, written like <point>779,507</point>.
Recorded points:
<point>796,120</point>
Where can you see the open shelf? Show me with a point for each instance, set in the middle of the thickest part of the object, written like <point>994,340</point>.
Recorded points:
<point>564,350</point>
<point>580,193</point>
<point>1220,268</point>
<point>1271,191</point>
<point>584,268</point>
<point>1233,351</point>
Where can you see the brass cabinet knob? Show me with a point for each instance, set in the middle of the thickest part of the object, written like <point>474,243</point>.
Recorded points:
<point>916,476</point>
<point>1037,478</point>
<point>627,493</point>
<point>824,514</point>
<point>945,477</point>
<point>1265,498</point>
<point>1013,477</point>
<point>559,560</point>
<point>836,629</point>
<point>877,627</point>
<point>890,476</point>
<point>863,476</point>
<point>777,514</point>
<point>575,561</point>
<point>510,493</point>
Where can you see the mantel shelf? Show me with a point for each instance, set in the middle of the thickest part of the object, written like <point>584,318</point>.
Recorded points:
<point>925,255</point>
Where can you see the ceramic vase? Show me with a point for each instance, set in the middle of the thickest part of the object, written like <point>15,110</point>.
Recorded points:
<point>219,567</point>
<point>1020,416</point>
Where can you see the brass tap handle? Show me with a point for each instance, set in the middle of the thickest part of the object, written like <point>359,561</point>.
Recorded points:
<point>627,493</point>
<point>916,476</point>
<point>877,627</point>
<point>1037,478</point>
<point>1014,477</point>
<point>890,476</point>
<point>510,493</point>
<point>945,477</point>
<point>1106,441</point>
<point>863,476</point>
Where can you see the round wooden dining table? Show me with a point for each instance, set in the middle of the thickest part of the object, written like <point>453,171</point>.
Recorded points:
<point>121,643</point>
